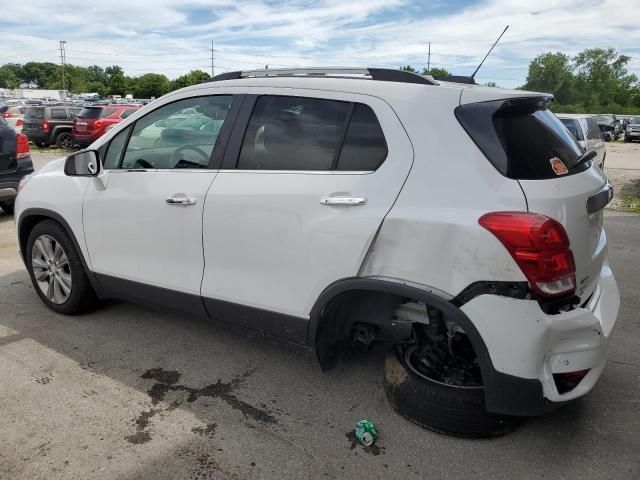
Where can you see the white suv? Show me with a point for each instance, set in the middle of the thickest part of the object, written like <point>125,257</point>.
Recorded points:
<point>458,224</point>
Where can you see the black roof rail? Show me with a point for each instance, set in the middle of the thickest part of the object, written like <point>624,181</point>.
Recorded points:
<point>379,74</point>
<point>456,79</point>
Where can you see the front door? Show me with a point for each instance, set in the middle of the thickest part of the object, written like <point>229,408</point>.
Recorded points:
<point>311,182</point>
<point>143,216</point>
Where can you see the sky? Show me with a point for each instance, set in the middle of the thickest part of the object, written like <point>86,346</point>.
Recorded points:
<point>175,36</point>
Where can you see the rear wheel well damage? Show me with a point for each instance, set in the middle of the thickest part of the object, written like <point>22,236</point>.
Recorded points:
<point>349,302</point>
<point>353,302</point>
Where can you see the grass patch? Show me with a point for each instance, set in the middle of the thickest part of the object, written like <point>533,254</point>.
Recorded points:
<point>630,204</point>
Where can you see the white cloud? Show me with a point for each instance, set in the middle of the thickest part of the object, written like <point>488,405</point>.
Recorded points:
<point>173,37</point>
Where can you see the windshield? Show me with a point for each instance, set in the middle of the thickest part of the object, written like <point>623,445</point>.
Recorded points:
<point>635,121</point>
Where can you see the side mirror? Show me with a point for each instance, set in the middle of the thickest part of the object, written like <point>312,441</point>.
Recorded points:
<point>84,163</point>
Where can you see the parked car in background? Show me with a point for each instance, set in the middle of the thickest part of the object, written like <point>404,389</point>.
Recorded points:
<point>47,125</point>
<point>15,117</point>
<point>632,132</point>
<point>586,131</point>
<point>610,126</point>
<point>15,164</point>
<point>92,122</point>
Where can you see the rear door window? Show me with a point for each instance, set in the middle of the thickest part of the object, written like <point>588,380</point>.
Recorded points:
<point>293,133</point>
<point>594,132</point>
<point>522,138</point>
<point>58,114</point>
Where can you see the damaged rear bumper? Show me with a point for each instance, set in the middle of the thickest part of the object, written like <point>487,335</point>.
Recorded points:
<point>532,352</point>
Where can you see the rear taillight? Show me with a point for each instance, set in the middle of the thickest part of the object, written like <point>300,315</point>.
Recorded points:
<point>19,123</point>
<point>45,126</point>
<point>540,247</point>
<point>6,115</point>
<point>22,150</point>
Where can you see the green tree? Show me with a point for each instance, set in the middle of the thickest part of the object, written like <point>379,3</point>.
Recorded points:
<point>117,85</point>
<point>194,77</point>
<point>44,74</point>
<point>602,77</point>
<point>8,78</point>
<point>552,72</point>
<point>408,68</point>
<point>437,72</point>
<point>492,84</point>
<point>151,85</point>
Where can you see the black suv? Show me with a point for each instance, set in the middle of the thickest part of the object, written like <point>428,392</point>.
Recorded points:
<point>51,124</point>
<point>15,163</point>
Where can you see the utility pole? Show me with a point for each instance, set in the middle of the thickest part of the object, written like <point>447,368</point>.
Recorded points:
<point>213,61</point>
<point>63,60</point>
<point>429,59</point>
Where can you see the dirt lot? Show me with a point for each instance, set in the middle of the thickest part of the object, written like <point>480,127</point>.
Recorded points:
<point>131,393</point>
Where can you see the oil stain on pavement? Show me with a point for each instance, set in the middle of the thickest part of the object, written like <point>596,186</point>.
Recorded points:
<point>167,381</point>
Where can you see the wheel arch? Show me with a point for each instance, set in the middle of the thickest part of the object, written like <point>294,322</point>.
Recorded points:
<point>503,393</point>
<point>318,312</point>
<point>30,217</point>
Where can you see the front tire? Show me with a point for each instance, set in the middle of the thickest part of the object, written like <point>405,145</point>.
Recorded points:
<point>446,409</point>
<point>56,270</point>
<point>7,207</point>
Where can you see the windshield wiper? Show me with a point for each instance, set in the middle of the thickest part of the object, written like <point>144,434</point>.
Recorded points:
<point>584,158</point>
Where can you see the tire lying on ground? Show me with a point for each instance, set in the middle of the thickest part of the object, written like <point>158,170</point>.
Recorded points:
<point>446,409</point>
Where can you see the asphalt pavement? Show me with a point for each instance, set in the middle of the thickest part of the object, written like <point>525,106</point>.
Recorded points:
<point>127,392</point>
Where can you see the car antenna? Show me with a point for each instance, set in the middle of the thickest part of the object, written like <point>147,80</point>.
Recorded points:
<point>489,52</point>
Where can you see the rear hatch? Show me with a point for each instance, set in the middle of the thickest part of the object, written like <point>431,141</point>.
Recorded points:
<point>85,122</point>
<point>526,142</point>
<point>33,118</point>
<point>8,137</point>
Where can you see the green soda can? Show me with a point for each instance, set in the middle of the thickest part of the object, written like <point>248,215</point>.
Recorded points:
<point>366,432</point>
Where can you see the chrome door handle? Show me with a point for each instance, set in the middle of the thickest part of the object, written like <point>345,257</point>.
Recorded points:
<point>181,199</point>
<point>344,201</point>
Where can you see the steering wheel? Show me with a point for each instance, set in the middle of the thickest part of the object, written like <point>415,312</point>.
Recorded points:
<point>178,150</point>
<point>141,163</point>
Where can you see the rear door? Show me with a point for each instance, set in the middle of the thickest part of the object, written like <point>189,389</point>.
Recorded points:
<point>304,187</point>
<point>526,142</point>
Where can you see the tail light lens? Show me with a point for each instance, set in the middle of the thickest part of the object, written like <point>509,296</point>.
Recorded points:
<point>45,126</point>
<point>19,122</point>
<point>22,150</point>
<point>6,115</point>
<point>540,247</point>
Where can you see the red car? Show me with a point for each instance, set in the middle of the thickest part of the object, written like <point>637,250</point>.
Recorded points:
<point>91,123</point>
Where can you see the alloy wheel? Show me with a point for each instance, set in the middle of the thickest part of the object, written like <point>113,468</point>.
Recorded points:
<point>51,269</point>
